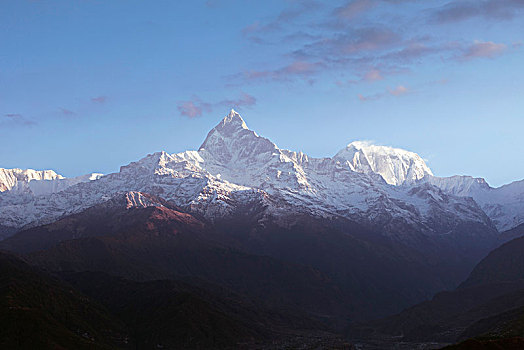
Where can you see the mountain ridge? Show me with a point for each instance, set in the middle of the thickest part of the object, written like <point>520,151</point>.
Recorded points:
<point>236,167</point>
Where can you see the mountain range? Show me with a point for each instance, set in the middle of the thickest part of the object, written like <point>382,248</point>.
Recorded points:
<point>487,306</point>
<point>308,245</point>
<point>379,186</point>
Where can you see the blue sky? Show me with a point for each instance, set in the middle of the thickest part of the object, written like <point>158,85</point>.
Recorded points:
<point>89,85</point>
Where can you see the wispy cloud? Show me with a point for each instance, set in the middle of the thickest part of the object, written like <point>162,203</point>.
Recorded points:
<point>353,8</point>
<point>193,109</point>
<point>67,112</point>
<point>483,49</point>
<point>415,50</point>
<point>17,119</point>
<point>455,11</point>
<point>99,99</point>
<point>196,107</point>
<point>354,42</point>
<point>356,39</point>
<point>370,97</point>
<point>399,90</point>
<point>373,75</point>
<point>300,36</point>
<point>298,68</point>
<point>299,8</point>
<point>13,116</point>
<point>245,100</point>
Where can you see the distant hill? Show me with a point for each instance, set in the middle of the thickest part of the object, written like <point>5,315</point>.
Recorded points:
<point>38,311</point>
<point>488,306</point>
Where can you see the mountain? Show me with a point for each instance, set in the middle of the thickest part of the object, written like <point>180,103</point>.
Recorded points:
<point>235,169</point>
<point>329,241</point>
<point>488,306</point>
<point>395,165</point>
<point>19,186</point>
<point>38,182</point>
<point>172,314</point>
<point>155,241</point>
<point>504,205</point>
<point>93,310</point>
<point>113,215</point>
<point>355,228</point>
<point>505,263</point>
<point>336,270</point>
<point>38,311</point>
<point>515,232</point>
<point>9,178</point>
<point>448,317</point>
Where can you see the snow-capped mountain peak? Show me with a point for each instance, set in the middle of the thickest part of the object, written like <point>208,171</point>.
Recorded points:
<point>232,141</point>
<point>16,182</point>
<point>395,165</point>
<point>232,122</point>
<point>232,126</point>
<point>9,178</point>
